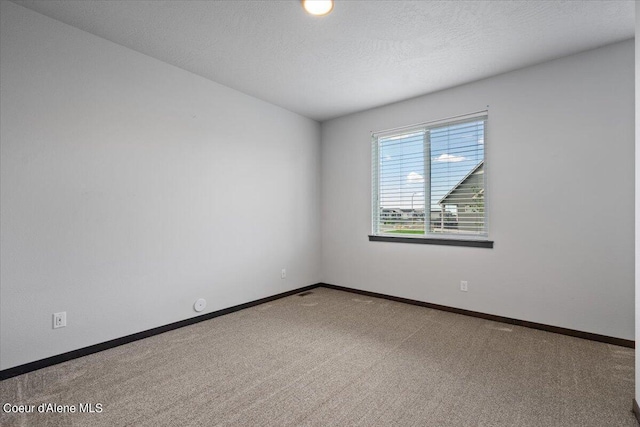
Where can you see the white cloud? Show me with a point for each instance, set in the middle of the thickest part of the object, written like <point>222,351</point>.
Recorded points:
<point>449,158</point>
<point>414,178</point>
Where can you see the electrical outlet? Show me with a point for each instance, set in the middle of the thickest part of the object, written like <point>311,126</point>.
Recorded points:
<point>59,320</point>
<point>464,286</point>
<point>283,273</point>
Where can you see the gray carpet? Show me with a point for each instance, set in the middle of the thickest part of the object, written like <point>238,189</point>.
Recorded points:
<point>336,358</point>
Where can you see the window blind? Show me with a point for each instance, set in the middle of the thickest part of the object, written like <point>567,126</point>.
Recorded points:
<point>429,180</point>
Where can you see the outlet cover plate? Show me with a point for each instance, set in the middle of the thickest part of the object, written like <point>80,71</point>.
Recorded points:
<point>59,320</point>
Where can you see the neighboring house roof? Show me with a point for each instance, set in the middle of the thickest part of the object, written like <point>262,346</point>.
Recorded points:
<point>475,171</point>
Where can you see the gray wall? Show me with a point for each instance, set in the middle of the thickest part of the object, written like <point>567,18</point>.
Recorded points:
<point>560,185</point>
<point>129,188</point>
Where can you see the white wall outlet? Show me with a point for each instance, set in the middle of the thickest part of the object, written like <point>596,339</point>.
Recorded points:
<point>464,286</point>
<point>283,273</point>
<point>200,304</point>
<point>59,320</point>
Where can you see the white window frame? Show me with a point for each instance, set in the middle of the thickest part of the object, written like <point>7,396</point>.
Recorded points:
<point>449,238</point>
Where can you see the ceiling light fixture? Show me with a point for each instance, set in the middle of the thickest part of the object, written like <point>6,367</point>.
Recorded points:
<point>318,7</point>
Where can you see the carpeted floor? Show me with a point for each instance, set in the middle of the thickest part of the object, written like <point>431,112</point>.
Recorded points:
<point>336,358</point>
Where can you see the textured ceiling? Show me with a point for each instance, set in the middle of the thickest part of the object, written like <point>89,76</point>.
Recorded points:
<point>365,54</point>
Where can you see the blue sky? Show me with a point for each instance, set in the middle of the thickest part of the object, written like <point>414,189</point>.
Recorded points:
<point>455,151</point>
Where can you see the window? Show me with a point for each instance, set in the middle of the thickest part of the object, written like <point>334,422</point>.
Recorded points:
<point>429,182</point>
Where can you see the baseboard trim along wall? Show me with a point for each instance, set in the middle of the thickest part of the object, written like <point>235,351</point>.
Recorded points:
<point>85,351</point>
<point>54,360</point>
<point>533,325</point>
<point>636,410</point>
